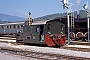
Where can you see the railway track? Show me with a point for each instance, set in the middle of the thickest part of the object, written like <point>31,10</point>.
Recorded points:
<point>8,39</point>
<point>78,46</point>
<point>73,44</point>
<point>40,56</point>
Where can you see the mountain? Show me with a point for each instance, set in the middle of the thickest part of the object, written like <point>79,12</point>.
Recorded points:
<point>52,16</point>
<point>4,17</point>
<point>8,18</point>
<point>82,14</point>
<point>3,21</point>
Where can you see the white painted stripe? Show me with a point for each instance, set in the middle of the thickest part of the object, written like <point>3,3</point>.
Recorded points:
<point>6,38</point>
<point>78,46</point>
<point>2,40</point>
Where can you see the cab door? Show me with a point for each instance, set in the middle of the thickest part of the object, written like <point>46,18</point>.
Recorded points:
<point>37,32</point>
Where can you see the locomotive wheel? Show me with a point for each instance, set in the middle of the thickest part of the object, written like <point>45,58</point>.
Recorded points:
<point>72,35</point>
<point>79,36</point>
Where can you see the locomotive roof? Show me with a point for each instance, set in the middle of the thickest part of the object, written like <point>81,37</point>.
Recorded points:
<point>12,23</point>
<point>41,22</point>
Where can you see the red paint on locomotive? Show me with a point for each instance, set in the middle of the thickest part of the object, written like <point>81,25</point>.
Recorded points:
<point>55,40</point>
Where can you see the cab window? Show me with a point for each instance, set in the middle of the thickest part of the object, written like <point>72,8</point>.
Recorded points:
<point>48,27</point>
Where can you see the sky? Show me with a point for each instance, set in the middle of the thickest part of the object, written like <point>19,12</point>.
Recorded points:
<point>37,8</point>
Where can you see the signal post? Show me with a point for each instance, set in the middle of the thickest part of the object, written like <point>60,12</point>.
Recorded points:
<point>68,7</point>
<point>88,17</point>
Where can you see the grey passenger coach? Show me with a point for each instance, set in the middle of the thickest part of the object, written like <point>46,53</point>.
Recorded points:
<point>11,28</point>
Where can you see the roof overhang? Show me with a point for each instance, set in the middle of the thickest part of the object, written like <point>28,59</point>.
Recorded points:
<point>41,22</point>
<point>12,23</point>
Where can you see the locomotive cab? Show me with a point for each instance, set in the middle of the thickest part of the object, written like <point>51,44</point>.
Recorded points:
<point>49,32</point>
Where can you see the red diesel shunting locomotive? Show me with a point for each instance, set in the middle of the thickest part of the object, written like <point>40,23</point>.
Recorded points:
<point>49,32</point>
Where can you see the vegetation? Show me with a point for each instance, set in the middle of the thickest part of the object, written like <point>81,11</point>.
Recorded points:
<point>52,16</point>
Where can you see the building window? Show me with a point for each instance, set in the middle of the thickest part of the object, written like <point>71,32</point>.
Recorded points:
<point>7,27</point>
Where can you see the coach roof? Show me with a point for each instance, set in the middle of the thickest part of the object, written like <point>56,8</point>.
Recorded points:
<point>12,23</point>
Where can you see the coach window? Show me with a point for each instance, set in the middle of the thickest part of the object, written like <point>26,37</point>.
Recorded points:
<point>10,26</point>
<point>7,27</point>
<point>14,26</point>
<point>18,26</point>
<point>2,27</point>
